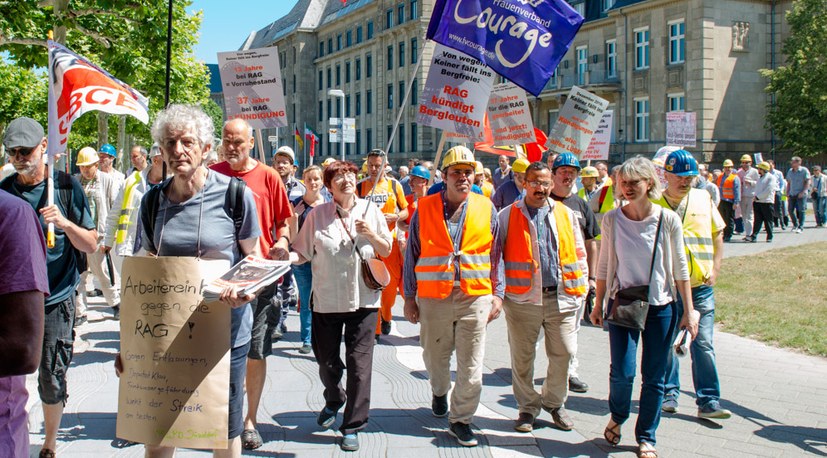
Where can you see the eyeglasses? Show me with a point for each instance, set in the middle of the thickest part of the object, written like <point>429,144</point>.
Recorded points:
<point>187,143</point>
<point>344,176</point>
<point>21,151</point>
<point>539,184</point>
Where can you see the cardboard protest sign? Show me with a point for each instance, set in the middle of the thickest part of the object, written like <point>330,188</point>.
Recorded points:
<point>598,149</point>
<point>577,122</point>
<point>509,116</point>
<point>522,40</point>
<point>456,94</point>
<point>252,85</point>
<point>680,128</point>
<point>175,351</point>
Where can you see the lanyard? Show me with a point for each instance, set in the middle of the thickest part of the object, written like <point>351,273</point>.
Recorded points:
<point>456,239</point>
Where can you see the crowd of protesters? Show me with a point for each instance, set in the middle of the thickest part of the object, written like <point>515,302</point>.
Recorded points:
<point>547,244</point>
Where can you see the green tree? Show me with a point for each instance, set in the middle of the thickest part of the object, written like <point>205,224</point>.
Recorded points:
<point>799,86</point>
<point>24,94</point>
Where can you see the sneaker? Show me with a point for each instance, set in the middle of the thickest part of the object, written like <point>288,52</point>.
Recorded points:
<point>94,293</point>
<point>561,418</point>
<point>462,432</point>
<point>326,418</point>
<point>714,410</point>
<point>116,312</point>
<point>577,386</point>
<point>798,230</point>
<point>305,349</point>
<point>350,442</point>
<point>439,406</point>
<point>524,423</point>
<point>277,334</point>
<point>386,327</point>
<point>670,405</point>
<point>81,320</point>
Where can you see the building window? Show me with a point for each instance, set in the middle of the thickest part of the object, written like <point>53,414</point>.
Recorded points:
<point>347,105</point>
<point>388,137</point>
<point>580,8</point>
<point>338,108</point>
<point>358,69</point>
<point>414,10</point>
<point>349,38</point>
<point>552,82</point>
<point>677,42</point>
<point>401,92</point>
<point>414,50</point>
<point>400,134</point>
<point>347,72</point>
<point>611,58</point>
<point>321,111</point>
<point>677,102</point>
<point>368,66</point>
<point>321,80</point>
<point>329,45</point>
<point>358,141</point>
<point>642,119</point>
<point>390,58</point>
<point>329,78</point>
<point>338,75</point>
<point>582,64</point>
<point>370,30</point>
<point>294,84</point>
<point>369,103</point>
<point>414,142</point>
<point>339,42</point>
<point>368,138</point>
<point>552,118</point>
<point>390,96</point>
<point>401,53</point>
<point>389,18</point>
<point>329,108</point>
<point>358,34</point>
<point>642,48</point>
<point>400,13</point>
<point>606,4</point>
<point>414,94</point>
<point>358,107</point>
<point>321,49</point>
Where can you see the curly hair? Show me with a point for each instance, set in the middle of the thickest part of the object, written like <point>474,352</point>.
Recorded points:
<point>179,117</point>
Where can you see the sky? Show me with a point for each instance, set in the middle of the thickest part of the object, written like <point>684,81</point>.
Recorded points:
<point>227,23</point>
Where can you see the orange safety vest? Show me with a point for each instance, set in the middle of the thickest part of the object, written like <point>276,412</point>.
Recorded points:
<point>520,264</point>
<point>435,267</point>
<point>728,188</point>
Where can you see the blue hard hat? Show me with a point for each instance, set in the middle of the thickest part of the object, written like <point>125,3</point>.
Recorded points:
<point>421,171</point>
<point>681,163</point>
<point>108,149</point>
<point>566,160</point>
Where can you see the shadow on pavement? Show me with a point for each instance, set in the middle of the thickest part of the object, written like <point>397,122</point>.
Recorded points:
<point>809,440</point>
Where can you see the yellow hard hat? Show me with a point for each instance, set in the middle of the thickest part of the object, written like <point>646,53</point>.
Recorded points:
<point>87,156</point>
<point>479,170</point>
<point>589,172</point>
<point>520,165</point>
<point>728,163</point>
<point>459,155</point>
<point>328,161</point>
<point>746,158</point>
<point>765,166</point>
<point>364,167</point>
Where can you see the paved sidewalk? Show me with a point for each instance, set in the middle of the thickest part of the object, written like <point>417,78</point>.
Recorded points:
<point>777,397</point>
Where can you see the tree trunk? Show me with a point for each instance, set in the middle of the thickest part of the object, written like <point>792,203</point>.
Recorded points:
<point>103,128</point>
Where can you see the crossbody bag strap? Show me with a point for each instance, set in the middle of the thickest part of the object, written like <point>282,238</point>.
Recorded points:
<point>655,248</point>
<point>347,231</point>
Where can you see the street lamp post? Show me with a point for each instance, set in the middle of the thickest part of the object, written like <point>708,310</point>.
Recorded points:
<point>341,94</point>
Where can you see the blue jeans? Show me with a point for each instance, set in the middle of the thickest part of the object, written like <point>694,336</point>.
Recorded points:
<point>704,370</point>
<point>623,343</point>
<point>820,209</point>
<point>798,208</point>
<point>304,280</point>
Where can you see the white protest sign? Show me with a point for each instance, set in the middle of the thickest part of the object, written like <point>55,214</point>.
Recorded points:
<point>577,122</point>
<point>456,93</point>
<point>252,85</point>
<point>598,149</point>
<point>759,158</point>
<point>509,116</point>
<point>335,128</point>
<point>680,128</point>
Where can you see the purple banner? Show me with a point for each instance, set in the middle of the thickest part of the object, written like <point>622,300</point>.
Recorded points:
<point>522,40</point>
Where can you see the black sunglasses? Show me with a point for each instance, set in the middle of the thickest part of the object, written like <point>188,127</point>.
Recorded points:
<point>21,151</point>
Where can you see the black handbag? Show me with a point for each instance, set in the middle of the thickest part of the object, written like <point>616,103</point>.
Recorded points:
<point>631,305</point>
<point>373,271</point>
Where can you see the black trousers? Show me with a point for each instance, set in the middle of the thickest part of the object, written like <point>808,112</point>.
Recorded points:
<point>359,330</point>
<point>727,211</point>
<point>763,215</point>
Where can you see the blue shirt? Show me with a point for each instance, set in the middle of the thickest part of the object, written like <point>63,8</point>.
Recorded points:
<point>547,245</point>
<point>796,180</point>
<point>506,195</point>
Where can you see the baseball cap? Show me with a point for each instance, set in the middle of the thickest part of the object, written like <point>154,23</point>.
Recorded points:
<point>286,151</point>
<point>25,132</point>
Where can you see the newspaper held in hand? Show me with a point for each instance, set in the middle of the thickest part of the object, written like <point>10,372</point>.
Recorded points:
<point>248,276</point>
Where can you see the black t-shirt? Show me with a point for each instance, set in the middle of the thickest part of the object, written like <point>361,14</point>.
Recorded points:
<point>585,215</point>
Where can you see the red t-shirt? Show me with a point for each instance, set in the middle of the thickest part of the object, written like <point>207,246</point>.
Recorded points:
<point>412,204</point>
<point>272,205</point>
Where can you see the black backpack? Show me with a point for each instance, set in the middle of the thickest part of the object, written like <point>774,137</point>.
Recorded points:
<point>234,199</point>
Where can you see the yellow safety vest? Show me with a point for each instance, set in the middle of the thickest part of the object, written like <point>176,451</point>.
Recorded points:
<point>697,234</point>
<point>126,210</point>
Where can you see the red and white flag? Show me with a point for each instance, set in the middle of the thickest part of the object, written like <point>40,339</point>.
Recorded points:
<point>77,86</point>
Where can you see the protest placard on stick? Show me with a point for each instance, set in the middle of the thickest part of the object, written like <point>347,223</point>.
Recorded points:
<point>578,120</point>
<point>252,85</point>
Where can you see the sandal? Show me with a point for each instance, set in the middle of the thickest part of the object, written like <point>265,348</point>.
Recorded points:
<point>646,450</point>
<point>251,439</point>
<point>612,433</point>
<point>46,453</point>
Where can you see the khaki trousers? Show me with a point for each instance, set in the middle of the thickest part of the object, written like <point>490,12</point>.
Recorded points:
<point>455,323</point>
<point>100,271</point>
<point>524,323</point>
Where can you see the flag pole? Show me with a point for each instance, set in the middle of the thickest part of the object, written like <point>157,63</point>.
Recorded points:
<point>437,157</point>
<point>50,161</point>
<point>169,54</point>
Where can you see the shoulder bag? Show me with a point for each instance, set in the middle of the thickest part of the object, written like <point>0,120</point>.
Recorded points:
<point>373,271</point>
<point>631,305</point>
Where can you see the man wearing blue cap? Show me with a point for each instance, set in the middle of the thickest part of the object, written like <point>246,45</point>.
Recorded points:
<point>107,154</point>
<point>703,238</point>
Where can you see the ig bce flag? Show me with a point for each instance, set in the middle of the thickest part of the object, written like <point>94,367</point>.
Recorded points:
<point>522,40</point>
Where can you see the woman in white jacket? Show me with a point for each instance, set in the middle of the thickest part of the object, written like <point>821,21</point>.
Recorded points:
<point>764,202</point>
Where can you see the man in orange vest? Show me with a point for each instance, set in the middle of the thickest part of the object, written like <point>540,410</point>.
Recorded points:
<point>390,199</point>
<point>546,281</point>
<point>730,187</point>
<point>454,287</point>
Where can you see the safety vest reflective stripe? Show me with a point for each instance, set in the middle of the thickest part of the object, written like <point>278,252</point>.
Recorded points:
<point>697,240</point>
<point>435,271</point>
<point>126,210</point>
<point>728,188</point>
<point>697,234</point>
<point>574,281</point>
<point>513,265</point>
